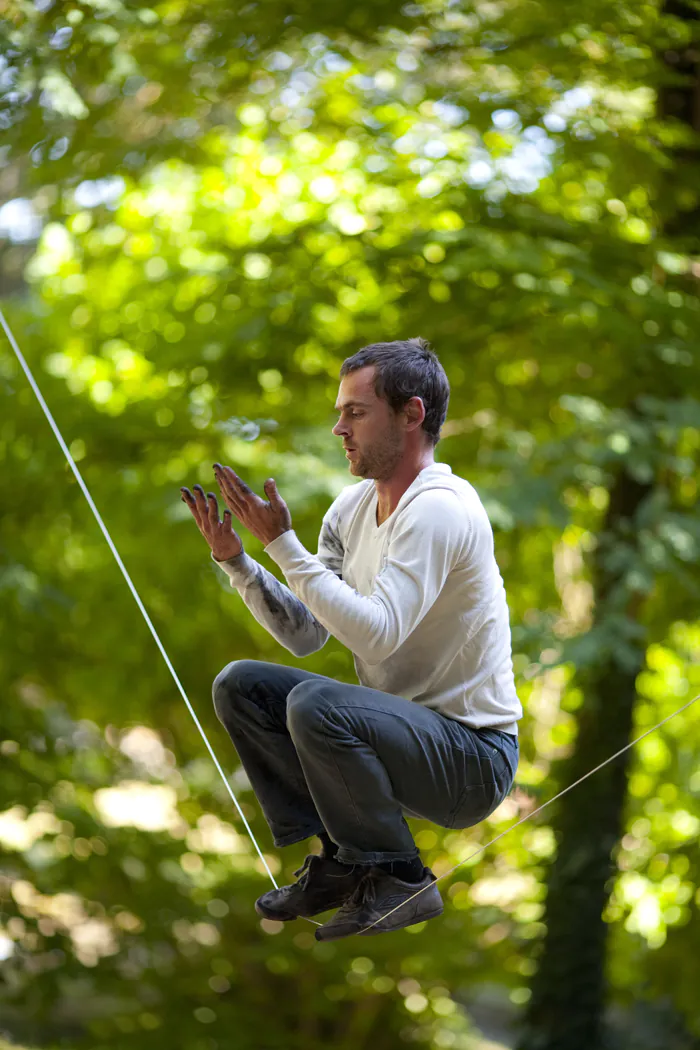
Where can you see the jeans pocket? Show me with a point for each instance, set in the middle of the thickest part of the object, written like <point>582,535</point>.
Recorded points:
<point>482,791</point>
<point>505,757</point>
<point>479,798</point>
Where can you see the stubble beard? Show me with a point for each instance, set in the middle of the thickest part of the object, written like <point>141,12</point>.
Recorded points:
<point>379,461</point>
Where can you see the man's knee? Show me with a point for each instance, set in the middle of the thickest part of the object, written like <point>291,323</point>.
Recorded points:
<point>306,704</point>
<point>233,681</point>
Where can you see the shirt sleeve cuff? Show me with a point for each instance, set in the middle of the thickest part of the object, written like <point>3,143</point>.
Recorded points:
<point>238,569</point>
<point>286,549</point>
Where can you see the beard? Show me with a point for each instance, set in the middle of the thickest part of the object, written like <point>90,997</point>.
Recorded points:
<point>380,459</point>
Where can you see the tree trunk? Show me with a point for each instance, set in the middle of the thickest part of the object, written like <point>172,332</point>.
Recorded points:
<point>565,1012</point>
<point>568,991</point>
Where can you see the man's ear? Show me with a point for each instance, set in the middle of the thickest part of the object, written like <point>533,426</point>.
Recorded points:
<point>415,411</point>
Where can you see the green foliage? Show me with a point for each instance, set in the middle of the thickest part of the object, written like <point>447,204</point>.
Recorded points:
<point>283,186</point>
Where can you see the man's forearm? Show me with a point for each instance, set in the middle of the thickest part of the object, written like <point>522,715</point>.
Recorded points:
<point>274,606</point>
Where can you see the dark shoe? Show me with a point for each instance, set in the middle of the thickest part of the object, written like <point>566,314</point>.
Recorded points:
<point>324,884</point>
<point>377,894</point>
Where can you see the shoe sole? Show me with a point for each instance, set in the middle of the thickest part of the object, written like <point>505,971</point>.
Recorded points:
<point>378,928</point>
<point>339,932</point>
<point>277,916</point>
<point>345,930</point>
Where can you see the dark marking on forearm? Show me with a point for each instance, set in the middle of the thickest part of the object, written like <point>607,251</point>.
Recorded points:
<point>284,606</point>
<point>331,543</point>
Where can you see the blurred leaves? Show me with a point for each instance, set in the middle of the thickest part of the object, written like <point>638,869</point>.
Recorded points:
<point>219,203</point>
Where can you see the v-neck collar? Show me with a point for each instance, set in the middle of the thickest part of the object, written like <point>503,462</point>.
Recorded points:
<point>442,468</point>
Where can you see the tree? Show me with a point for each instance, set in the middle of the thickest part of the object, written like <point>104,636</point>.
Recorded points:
<point>433,177</point>
<point>569,993</point>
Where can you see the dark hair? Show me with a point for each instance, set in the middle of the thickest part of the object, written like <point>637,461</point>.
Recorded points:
<point>407,368</point>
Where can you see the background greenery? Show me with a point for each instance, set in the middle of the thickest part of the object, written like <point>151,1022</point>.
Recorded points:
<point>207,207</point>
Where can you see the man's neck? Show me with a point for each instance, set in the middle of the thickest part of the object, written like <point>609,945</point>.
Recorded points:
<point>389,492</point>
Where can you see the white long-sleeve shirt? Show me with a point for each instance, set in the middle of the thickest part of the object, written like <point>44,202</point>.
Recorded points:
<point>419,600</point>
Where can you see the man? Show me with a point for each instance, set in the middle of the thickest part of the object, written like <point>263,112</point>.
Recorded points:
<point>406,578</point>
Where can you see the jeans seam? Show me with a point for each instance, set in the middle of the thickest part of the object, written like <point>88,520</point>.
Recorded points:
<point>356,707</point>
<point>458,805</point>
<point>324,720</point>
<point>338,770</point>
<point>290,840</point>
<point>494,779</point>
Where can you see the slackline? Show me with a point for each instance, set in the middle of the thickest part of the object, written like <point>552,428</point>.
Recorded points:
<point>93,508</point>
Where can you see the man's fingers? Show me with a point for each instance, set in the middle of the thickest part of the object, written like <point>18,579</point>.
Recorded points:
<point>191,502</point>
<point>239,482</point>
<point>201,507</point>
<point>229,493</point>
<point>227,484</point>
<point>236,484</point>
<point>200,498</point>
<point>212,508</point>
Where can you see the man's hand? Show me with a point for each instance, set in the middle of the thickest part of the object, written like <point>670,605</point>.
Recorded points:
<point>224,542</point>
<point>266,520</point>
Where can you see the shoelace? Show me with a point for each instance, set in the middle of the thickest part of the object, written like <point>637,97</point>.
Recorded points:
<point>364,893</point>
<point>481,849</point>
<point>304,871</point>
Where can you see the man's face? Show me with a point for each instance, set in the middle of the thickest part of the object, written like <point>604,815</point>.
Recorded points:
<point>368,427</point>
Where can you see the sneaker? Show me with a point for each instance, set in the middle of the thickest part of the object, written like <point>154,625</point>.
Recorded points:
<point>377,895</point>
<point>325,883</point>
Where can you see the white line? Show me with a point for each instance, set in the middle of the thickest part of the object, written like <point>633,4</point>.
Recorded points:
<point>95,511</point>
<point>107,536</point>
<point>528,816</point>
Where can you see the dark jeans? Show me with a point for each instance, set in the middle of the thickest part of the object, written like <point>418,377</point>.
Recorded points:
<point>321,754</point>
